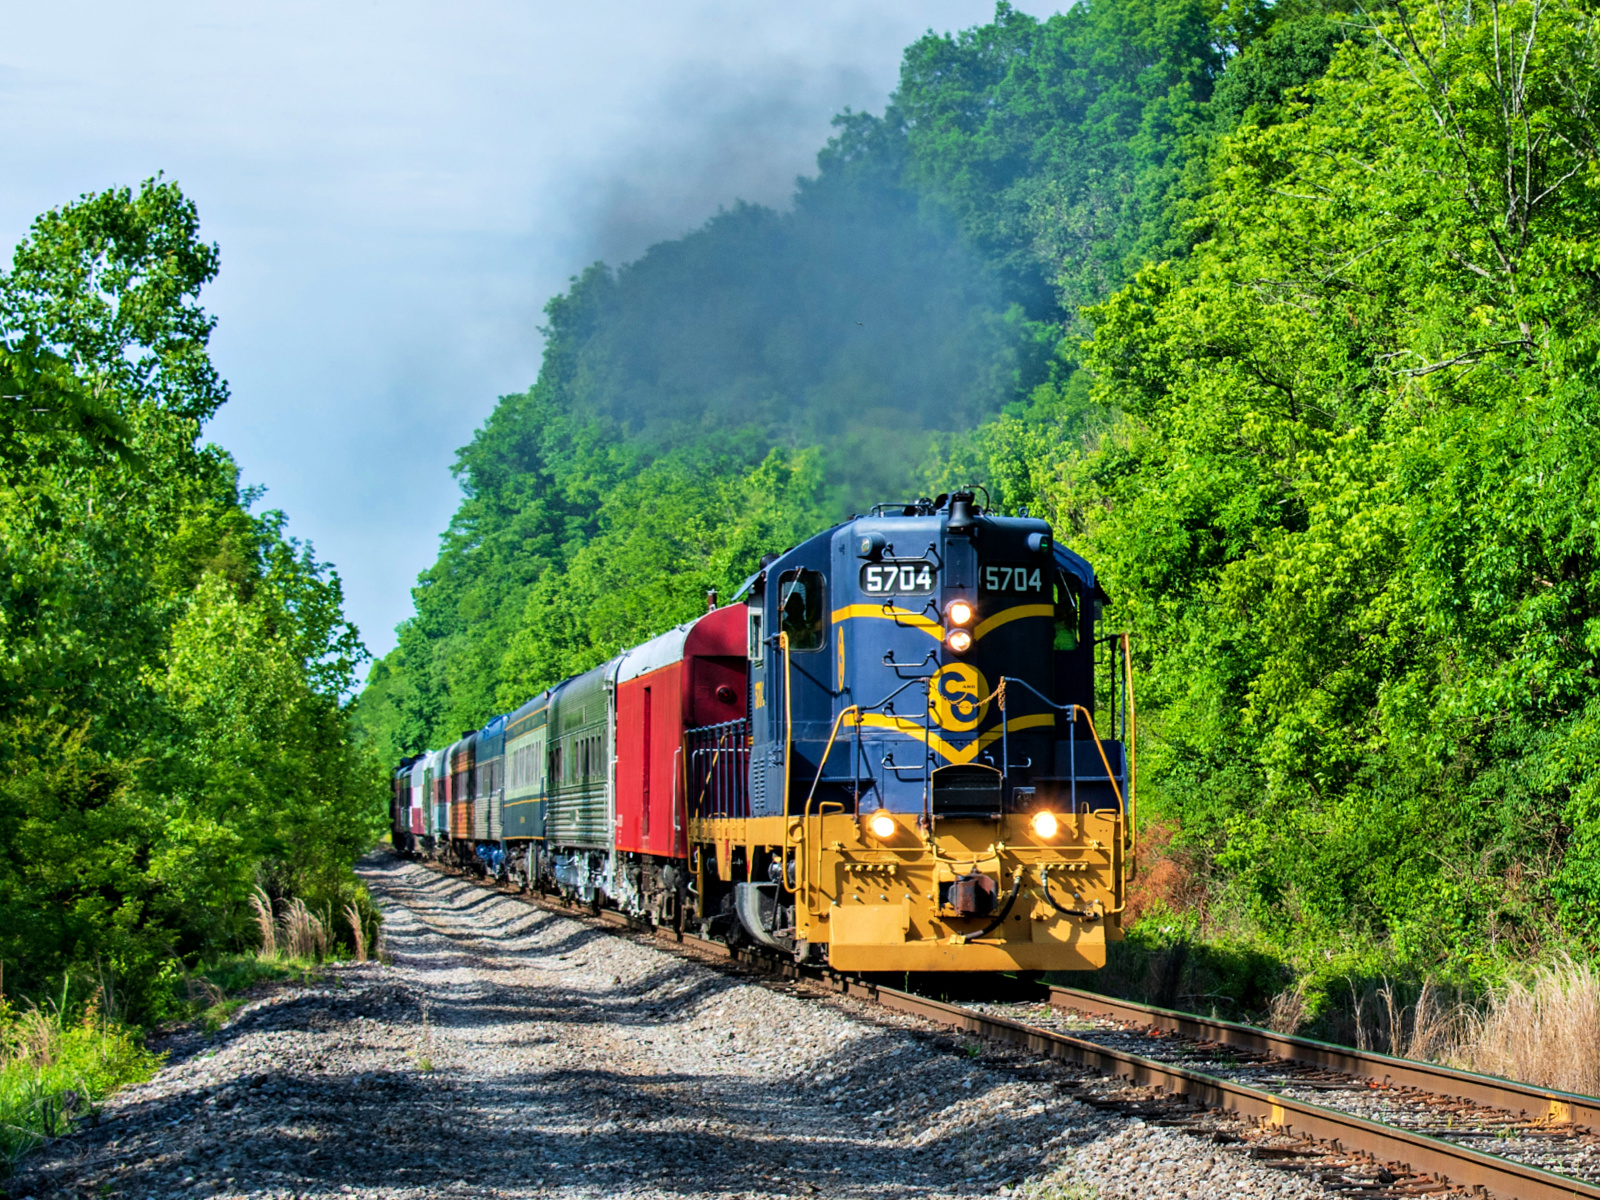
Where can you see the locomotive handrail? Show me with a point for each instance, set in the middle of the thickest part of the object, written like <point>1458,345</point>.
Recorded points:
<point>803,876</point>
<point>897,667</point>
<point>1130,843</point>
<point>788,718</point>
<point>887,762</point>
<point>1073,710</point>
<point>933,548</point>
<point>914,620</point>
<point>866,708</point>
<point>731,738</point>
<point>1111,777</point>
<point>1133,825</point>
<point>680,788</point>
<point>827,750</point>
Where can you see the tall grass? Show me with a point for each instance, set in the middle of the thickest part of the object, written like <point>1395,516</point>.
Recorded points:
<point>1544,1030</point>
<point>302,932</point>
<point>298,933</point>
<point>358,933</point>
<point>261,904</point>
<point>55,1065</point>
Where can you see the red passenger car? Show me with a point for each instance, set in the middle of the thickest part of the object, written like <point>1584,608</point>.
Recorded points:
<point>689,677</point>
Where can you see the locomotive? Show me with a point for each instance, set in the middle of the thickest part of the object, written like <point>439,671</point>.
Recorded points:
<point>902,747</point>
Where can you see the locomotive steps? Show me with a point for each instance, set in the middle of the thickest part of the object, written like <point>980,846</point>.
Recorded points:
<point>508,1051</point>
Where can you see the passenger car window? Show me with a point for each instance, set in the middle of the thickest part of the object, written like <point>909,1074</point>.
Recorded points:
<point>801,608</point>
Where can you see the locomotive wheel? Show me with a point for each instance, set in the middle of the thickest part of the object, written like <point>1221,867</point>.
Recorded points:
<point>733,929</point>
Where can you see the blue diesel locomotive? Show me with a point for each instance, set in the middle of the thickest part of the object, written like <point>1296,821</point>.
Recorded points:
<point>903,747</point>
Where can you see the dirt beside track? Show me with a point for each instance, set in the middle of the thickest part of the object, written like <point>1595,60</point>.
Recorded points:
<point>506,1051</point>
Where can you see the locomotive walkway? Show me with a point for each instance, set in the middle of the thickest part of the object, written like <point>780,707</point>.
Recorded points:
<point>505,1051</point>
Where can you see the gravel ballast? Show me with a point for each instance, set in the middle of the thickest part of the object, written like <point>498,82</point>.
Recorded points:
<point>507,1051</point>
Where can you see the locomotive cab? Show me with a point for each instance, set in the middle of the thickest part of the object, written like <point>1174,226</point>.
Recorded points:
<point>932,785</point>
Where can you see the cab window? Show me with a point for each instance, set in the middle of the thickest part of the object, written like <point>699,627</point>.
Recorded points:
<point>802,609</point>
<point>1066,614</point>
<point>757,643</point>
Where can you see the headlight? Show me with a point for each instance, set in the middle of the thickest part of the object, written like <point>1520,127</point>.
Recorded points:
<point>959,612</point>
<point>1045,824</point>
<point>959,640</point>
<point>881,825</point>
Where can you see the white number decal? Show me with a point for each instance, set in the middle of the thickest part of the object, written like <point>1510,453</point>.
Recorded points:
<point>1021,578</point>
<point>885,579</point>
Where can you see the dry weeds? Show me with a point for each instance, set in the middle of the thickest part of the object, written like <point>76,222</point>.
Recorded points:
<point>31,1038</point>
<point>262,904</point>
<point>302,932</point>
<point>358,935</point>
<point>1545,1032</point>
<point>1288,1011</point>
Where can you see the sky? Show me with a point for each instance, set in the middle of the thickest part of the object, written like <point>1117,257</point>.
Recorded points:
<point>397,189</point>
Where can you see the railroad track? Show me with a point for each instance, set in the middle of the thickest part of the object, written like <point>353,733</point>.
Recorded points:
<point>1378,1126</point>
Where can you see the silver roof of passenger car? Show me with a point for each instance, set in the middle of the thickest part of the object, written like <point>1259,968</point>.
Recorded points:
<point>658,652</point>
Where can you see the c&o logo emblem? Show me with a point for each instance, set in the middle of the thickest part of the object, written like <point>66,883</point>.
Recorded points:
<point>958,697</point>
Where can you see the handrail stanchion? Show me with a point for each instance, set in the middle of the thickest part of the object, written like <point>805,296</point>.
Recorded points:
<point>1072,755</point>
<point>1131,757</point>
<point>788,724</point>
<point>1005,743</point>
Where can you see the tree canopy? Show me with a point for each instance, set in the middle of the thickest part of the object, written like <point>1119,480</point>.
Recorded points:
<point>1348,497</point>
<point>919,286</point>
<point>173,670</point>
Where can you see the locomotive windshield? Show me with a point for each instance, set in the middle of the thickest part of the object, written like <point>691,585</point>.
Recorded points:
<point>1066,614</point>
<point>800,602</point>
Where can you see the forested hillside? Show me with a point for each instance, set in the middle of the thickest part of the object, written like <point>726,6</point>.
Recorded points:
<point>172,669</point>
<point>1350,502</point>
<point>1284,315</point>
<point>921,283</point>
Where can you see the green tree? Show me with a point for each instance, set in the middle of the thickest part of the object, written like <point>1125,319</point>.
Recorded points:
<point>172,669</point>
<point>1349,501</point>
<point>666,537</point>
<point>919,286</point>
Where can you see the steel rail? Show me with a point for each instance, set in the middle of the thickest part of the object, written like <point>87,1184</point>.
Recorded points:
<point>1387,1143</point>
<point>1344,1132</point>
<point>1540,1103</point>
